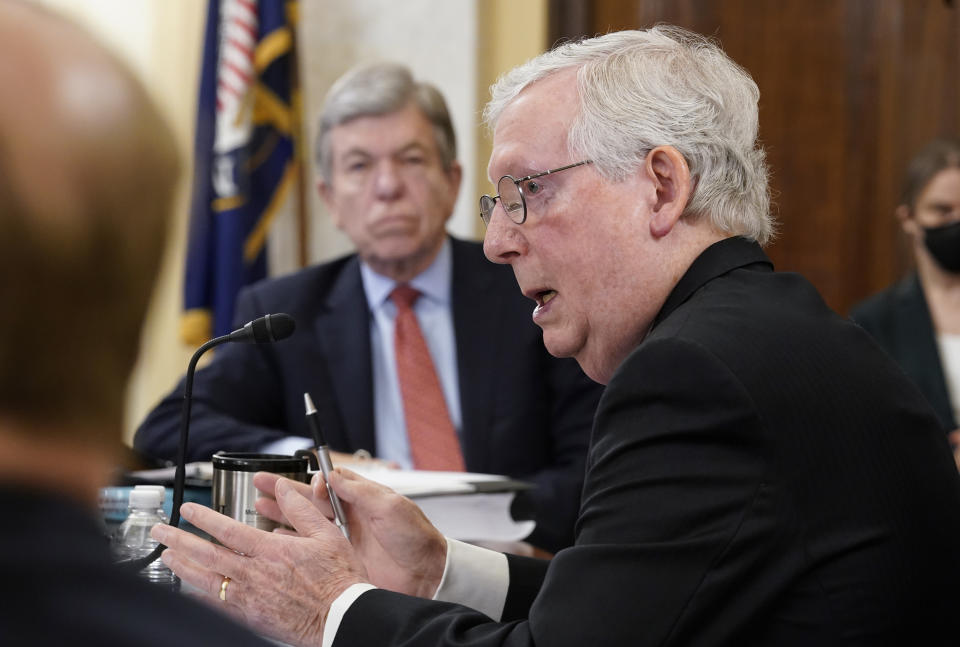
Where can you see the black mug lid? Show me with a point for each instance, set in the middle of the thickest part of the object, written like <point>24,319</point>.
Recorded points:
<point>256,462</point>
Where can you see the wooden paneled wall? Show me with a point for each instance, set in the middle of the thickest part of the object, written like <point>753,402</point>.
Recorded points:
<point>850,89</point>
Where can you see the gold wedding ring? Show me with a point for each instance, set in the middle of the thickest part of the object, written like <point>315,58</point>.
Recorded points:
<point>223,588</point>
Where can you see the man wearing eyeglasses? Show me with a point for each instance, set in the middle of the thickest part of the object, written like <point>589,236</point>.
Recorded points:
<point>759,473</point>
<point>475,389</point>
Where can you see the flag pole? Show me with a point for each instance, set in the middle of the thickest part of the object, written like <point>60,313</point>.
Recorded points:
<point>300,150</point>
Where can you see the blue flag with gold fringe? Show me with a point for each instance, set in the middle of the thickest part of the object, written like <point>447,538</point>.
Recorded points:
<point>245,155</point>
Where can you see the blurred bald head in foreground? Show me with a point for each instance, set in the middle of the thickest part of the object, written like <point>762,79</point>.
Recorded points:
<point>87,173</point>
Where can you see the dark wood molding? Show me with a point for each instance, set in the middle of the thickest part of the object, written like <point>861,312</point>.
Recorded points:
<point>569,20</point>
<point>849,91</point>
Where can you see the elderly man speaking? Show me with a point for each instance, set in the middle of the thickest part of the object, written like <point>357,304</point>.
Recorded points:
<point>760,473</point>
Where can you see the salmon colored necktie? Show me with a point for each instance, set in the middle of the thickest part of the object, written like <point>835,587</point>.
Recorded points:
<point>433,440</point>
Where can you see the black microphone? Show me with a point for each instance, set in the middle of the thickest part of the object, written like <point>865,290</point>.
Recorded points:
<point>265,330</point>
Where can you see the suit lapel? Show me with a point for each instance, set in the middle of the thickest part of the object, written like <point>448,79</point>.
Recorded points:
<point>343,331</point>
<point>477,309</point>
<point>913,330</point>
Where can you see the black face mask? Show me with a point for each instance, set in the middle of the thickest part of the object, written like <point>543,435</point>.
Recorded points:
<point>944,245</point>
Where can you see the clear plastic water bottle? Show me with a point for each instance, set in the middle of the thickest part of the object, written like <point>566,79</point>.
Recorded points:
<point>162,491</point>
<point>133,541</point>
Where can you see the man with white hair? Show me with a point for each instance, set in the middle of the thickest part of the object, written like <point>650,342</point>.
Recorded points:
<point>389,175</point>
<point>760,473</point>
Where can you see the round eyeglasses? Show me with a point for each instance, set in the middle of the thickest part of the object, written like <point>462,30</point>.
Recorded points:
<point>512,194</point>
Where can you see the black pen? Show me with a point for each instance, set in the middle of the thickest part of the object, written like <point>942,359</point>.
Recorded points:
<point>323,456</point>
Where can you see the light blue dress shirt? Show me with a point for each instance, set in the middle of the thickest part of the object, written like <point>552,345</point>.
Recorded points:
<point>435,316</point>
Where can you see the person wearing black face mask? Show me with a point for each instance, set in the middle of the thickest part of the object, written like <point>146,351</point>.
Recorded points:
<point>943,243</point>
<point>917,320</point>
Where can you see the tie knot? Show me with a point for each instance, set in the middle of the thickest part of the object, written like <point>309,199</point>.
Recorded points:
<point>404,296</point>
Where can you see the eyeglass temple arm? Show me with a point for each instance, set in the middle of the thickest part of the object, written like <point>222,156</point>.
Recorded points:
<point>553,170</point>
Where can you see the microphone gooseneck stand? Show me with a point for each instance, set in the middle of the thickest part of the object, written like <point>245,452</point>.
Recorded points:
<point>266,329</point>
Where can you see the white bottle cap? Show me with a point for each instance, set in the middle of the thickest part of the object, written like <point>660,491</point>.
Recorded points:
<point>159,488</point>
<point>149,498</point>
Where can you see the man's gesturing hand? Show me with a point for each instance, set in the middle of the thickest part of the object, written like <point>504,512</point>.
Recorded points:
<point>398,546</point>
<point>280,584</point>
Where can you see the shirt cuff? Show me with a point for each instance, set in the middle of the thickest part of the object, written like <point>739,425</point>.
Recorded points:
<point>474,577</point>
<point>338,609</point>
<point>287,446</point>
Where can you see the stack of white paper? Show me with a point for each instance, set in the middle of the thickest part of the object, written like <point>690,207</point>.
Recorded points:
<point>201,471</point>
<point>462,505</point>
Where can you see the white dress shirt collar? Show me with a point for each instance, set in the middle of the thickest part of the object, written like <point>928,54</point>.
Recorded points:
<point>433,282</point>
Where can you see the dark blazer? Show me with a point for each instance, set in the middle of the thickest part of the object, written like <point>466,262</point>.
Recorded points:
<point>525,414</point>
<point>760,473</point>
<point>60,587</point>
<point>899,319</point>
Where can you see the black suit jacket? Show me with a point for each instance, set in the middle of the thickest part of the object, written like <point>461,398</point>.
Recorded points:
<point>59,587</point>
<point>760,473</point>
<point>899,319</point>
<point>525,414</point>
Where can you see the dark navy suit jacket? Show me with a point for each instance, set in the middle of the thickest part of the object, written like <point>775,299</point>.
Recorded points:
<point>899,319</point>
<point>525,413</point>
<point>60,586</point>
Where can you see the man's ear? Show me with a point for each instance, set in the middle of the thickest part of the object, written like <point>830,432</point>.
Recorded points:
<point>455,176</point>
<point>326,196</point>
<point>907,222</point>
<point>666,168</point>
<point>454,179</point>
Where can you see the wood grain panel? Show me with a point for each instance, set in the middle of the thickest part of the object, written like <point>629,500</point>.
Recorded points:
<point>850,89</point>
